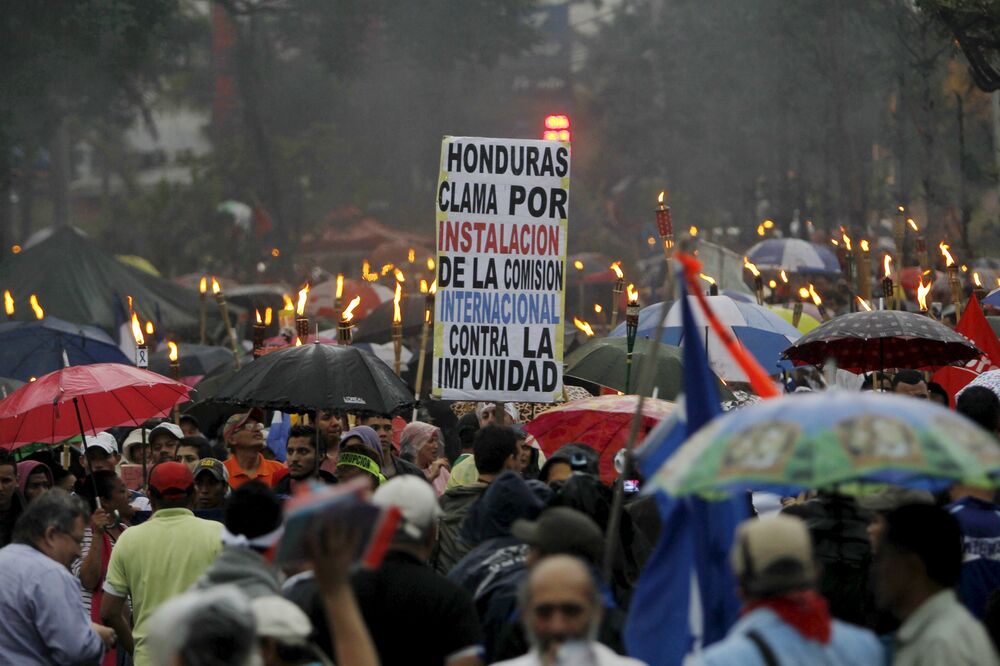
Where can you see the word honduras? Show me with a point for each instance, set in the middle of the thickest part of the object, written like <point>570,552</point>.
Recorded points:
<point>501,240</point>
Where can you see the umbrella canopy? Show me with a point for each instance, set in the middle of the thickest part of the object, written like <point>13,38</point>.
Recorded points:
<point>194,359</point>
<point>807,322</point>
<point>793,255</point>
<point>317,376</point>
<point>323,296</point>
<point>821,440</point>
<point>602,423</point>
<point>108,395</point>
<point>864,341</point>
<point>602,361</point>
<point>377,325</point>
<point>992,298</point>
<point>762,332</point>
<point>35,348</point>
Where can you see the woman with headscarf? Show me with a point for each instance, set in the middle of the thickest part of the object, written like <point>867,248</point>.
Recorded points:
<point>421,444</point>
<point>34,478</point>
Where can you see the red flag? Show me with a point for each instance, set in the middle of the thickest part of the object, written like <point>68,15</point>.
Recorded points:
<point>975,327</point>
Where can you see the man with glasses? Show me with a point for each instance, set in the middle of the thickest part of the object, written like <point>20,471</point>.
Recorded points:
<point>44,621</point>
<point>244,436</point>
<point>562,610</point>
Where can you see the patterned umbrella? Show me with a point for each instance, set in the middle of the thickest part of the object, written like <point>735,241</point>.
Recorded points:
<point>602,423</point>
<point>822,440</point>
<point>864,341</point>
<point>794,255</point>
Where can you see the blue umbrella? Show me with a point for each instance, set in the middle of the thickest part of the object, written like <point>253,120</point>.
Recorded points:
<point>993,298</point>
<point>793,255</point>
<point>36,348</point>
<point>763,333</point>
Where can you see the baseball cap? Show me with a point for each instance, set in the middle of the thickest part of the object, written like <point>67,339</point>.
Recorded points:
<point>562,530</point>
<point>172,480</point>
<point>415,498</point>
<point>237,420</point>
<point>773,555</point>
<point>278,618</point>
<point>213,467</point>
<point>167,426</point>
<point>105,441</point>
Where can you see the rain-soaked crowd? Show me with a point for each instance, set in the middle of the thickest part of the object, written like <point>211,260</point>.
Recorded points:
<point>497,558</point>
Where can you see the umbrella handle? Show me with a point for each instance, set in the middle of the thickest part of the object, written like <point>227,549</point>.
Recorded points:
<point>86,460</point>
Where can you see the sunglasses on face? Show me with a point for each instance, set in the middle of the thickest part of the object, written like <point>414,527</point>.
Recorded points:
<point>568,610</point>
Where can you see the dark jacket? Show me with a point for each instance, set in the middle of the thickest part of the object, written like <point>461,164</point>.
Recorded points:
<point>9,518</point>
<point>455,503</point>
<point>243,567</point>
<point>406,467</point>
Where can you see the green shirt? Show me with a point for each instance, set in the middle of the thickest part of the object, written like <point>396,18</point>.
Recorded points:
<point>158,560</point>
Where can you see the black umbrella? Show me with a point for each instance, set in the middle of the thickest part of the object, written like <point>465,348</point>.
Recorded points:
<point>194,359</point>
<point>377,326</point>
<point>864,341</point>
<point>318,376</point>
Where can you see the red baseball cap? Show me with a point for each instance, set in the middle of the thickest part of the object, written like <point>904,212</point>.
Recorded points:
<point>171,480</point>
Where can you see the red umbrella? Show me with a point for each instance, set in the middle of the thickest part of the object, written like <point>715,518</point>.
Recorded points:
<point>90,398</point>
<point>602,423</point>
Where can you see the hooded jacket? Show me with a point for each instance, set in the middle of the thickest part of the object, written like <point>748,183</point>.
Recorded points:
<point>455,504</point>
<point>243,567</point>
<point>29,467</point>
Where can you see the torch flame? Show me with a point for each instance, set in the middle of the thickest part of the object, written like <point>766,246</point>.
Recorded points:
<point>216,287</point>
<point>976,280</point>
<point>203,284</point>
<point>633,293</point>
<point>434,287</point>
<point>8,302</point>
<point>659,199</point>
<point>268,314</point>
<point>598,308</point>
<point>257,314</point>
<point>887,266</point>
<point>411,255</point>
<point>366,268</point>
<point>783,275</point>
<point>864,245</point>
<point>431,264</point>
<point>815,296</point>
<point>289,304</point>
<point>949,260</point>
<point>348,313</point>
<point>863,303</point>
<point>172,354</point>
<point>707,278</point>
<point>397,316</point>
<point>913,225</point>
<point>340,285</point>
<point>423,286</point>
<point>922,291</point>
<point>803,293</point>
<point>617,268</point>
<point>750,266</point>
<point>760,230</point>
<point>39,312</point>
<point>298,341</point>
<point>901,208</point>
<point>398,274</point>
<point>768,224</point>
<point>693,231</point>
<point>847,241</point>
<point>386,268</point>
<point>578,265</point>
<point>835,242</point>
<point>583,326</point>
<point>300,308</point>
<point>149,328</point>
<point>137,330</point>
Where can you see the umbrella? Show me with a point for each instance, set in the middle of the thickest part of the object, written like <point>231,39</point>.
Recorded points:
<point>194,359</point>
<point>602,423</point>
<point>85,397</point>
<point>317,376</point>
<point>823,440</point>
<point>377,325</point>
<point>793,255</point>
<point>34,348</point>
<point>762,332</point>
<point>992,298</point>
<point>323,296</point>
<point>863,341</point>
<point>807,322</point>
<point>602,361</point>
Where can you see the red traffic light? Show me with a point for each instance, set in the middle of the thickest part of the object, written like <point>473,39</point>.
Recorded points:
<point>557,128</point>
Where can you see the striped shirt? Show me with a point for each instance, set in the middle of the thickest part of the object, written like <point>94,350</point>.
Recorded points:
<point>88,537</point>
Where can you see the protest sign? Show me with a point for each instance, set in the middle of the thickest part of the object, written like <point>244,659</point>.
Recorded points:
<point>501,215</point>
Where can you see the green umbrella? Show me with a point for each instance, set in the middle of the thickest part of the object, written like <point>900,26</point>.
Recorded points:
<point>603,360</point>
<point>829,440</point>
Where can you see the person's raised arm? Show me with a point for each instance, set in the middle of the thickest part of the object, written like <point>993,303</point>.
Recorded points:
<point>88,570</point>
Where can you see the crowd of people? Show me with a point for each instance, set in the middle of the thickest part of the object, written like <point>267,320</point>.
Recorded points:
<point>498,557</point>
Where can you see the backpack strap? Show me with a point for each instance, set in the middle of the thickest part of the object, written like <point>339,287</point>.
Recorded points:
<point>765,650</point>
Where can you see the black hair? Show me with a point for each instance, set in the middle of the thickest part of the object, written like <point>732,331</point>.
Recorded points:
<point>308,432</point>
<point>907,377</point>
<point>199,442</point>
<point>981,405</point>
<point>467,428</point>
<point>933,535</point>
<point>187,418</point>
<point>7,458</point>
<point>936,389</point>
<point>105,480</point>
<point>252,510</point>
<point>492,447</point>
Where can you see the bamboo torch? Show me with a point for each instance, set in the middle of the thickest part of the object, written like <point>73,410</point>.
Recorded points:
<point>887,290</point>
<point>920,246</point>
<point>758,281</point>
<point>424,331</point>
<point>978,289</point>
<point>797,308</point>
<point>631,329</point>
<point>397,329</point>
<point>865,270</point>
<point>344,326</point>
<point>665,227</point>
<point>851,268</point>
<point>141,351</point>
<point>259,328</point>
<point>819,303</point>
<point>956,285</point>
<point>301,321</point>
<point>220,299</point>
<point>203,310</point>
<point>616,292</point>
<point>175,372</point>
<point>899,235</point>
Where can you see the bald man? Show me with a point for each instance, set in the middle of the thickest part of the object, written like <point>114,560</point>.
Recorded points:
<point>561,607</point>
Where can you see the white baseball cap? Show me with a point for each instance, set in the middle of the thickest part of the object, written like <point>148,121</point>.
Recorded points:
<point>278,618</point>
<point>104,441</point>
<point>415,498</point>
<point>172,428</point>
